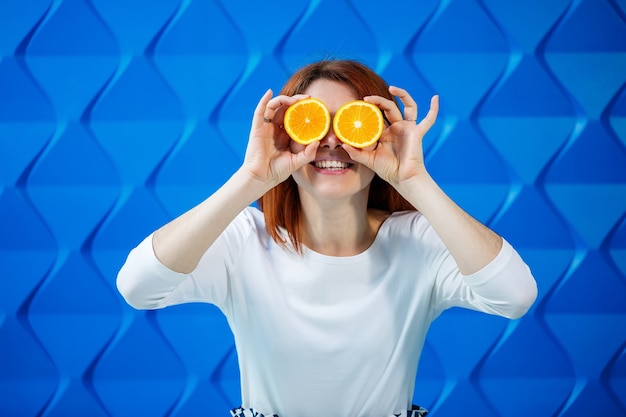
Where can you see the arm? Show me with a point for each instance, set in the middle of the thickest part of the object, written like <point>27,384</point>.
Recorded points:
<point>472,245</point>
<point>504,287</point>
<point>180,244</point>
<point>399,160</point>
<point>157,269</point>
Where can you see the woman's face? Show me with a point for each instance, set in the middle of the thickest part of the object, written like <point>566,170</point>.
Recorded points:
<point>332,174</point>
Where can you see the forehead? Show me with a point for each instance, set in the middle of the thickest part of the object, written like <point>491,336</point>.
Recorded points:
<point>333,93</point>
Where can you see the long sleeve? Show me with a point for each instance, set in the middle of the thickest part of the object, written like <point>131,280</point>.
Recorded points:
<point>144,282</point>
<point>504,287</point>
<point>147,284</point>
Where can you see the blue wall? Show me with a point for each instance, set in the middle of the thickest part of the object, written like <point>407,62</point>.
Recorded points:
<point>115,116</point>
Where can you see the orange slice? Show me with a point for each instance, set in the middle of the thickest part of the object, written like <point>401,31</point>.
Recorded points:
<point>358,123</point>
<point>307,120</point>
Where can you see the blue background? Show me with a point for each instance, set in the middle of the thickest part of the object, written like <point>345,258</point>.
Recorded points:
<point>116,116</point>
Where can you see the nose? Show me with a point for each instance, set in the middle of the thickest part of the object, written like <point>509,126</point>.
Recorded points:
<point>330,141</point>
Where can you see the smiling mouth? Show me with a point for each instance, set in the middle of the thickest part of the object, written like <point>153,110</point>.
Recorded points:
<point>331,165</point>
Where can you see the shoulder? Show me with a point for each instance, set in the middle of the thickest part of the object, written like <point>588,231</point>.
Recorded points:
<point>410,228</point>
<point>250,220</point>
<point>252,215</point>
<point>248,223</point>
<point>406,221</point>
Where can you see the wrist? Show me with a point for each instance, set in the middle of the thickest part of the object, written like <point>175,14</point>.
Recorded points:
<point>250,184</point>
<point>417,189</point>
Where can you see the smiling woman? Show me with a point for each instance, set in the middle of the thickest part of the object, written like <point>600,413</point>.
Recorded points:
<point>281,204</point>
<point>352,255</point>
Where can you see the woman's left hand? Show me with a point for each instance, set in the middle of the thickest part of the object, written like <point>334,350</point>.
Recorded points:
<point>398,155</point>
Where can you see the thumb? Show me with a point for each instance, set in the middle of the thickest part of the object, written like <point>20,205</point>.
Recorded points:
<point>359,155</point>
<point>307,155</point>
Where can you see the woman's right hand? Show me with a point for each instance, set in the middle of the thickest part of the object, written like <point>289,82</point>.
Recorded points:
<point>181,243</point>
<point>268,157</point>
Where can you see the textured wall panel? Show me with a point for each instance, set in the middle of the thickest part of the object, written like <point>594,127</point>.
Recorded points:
<point>116,116</point>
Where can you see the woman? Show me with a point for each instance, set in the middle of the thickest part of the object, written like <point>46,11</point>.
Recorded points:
<point>331,288</point>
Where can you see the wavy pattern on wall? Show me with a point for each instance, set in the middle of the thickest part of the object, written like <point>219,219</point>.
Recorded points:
<point>116,116</point>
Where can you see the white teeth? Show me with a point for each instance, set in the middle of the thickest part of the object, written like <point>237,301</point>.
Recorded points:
<point>331,164</point>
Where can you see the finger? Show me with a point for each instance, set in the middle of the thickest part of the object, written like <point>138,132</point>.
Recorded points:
<point>389,107</point>
<point>353,153</point>
<point>431,117</point>
<point>361,156</point>
<point>410,106</point>
<point>259,111</point>
<point>307,155</point>
<point>276,107</point>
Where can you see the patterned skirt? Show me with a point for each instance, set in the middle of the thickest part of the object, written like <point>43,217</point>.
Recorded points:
<point>415,411</point>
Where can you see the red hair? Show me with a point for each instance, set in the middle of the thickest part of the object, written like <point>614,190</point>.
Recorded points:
<point>281,205</point>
